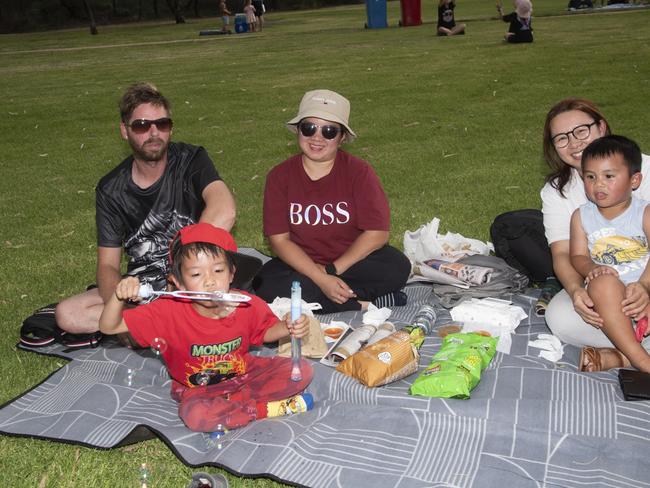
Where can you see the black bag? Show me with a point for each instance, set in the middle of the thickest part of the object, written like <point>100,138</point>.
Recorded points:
<point>40,329</point>
<point>519,239</point>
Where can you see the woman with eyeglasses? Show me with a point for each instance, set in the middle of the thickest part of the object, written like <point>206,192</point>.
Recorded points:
<point>327,218</point>
<point>570,126</point>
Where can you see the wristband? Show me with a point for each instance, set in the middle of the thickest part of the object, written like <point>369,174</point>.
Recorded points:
<point>330,269</point>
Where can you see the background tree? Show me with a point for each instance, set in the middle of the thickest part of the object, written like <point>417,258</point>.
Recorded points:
<point>177,10</point>
<point>91,17</point>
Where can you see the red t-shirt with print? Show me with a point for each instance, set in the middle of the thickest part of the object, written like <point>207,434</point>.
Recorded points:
<point>200,350</point>
<point>324,217</point>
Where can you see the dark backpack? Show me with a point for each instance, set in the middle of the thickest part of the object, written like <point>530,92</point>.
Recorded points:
<point>519,239</point>
<point>40,329</point>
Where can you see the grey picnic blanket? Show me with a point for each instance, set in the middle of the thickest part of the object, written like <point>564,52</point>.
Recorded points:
<point>529,422</point>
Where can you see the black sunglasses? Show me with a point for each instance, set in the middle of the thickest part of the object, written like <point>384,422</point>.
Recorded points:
<point>308,129</point>
<point>140,126</point>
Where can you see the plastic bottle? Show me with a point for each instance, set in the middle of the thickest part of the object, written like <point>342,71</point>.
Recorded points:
<point>296,310</point>
<point>425,318</point>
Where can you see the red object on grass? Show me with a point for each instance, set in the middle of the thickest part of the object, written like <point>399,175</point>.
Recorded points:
<point>411,12</point>
<point>234,403</point>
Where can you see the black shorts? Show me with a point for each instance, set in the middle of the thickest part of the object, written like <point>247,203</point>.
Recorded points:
<point>259,8</point>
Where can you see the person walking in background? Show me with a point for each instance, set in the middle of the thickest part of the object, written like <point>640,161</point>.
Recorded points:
<point>225,14</point>
<point>251,19</point>
<point>260,10</point>
<point>446,23</point>
<point>520,29</point>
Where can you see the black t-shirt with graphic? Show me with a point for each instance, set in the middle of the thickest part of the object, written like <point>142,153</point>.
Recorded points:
<point>144,221</point>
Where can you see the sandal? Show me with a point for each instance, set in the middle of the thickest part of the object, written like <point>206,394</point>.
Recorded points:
<point>593,359</point>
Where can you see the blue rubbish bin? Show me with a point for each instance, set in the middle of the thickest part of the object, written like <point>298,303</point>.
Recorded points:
<point>241,25</point>
<point>376,11</point>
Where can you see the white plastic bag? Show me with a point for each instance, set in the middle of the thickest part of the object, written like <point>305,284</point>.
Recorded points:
<point>425,243</point>
<point>498,317</point>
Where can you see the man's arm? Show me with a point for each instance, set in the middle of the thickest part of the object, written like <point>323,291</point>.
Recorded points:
<point>220,209</point>
<point>108,270</point>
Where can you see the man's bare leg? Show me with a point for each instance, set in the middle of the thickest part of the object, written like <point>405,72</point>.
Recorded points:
<point>80,314</point>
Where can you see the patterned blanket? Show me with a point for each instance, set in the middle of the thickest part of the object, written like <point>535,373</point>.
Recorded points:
<point>529,422</point>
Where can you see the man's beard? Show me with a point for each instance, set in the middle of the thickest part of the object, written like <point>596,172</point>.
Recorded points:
<point>144,154</point>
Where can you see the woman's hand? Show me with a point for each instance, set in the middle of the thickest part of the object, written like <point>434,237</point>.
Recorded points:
<point>584,307</point>
<point>335,289</point>
<point>599,271</point>
<point>636,300</point>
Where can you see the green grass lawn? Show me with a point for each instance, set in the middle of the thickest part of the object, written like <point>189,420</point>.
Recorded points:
<point>452,125</point>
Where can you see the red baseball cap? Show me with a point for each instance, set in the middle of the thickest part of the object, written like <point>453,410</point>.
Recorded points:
<point>208,233</point>
<point>246,267</point>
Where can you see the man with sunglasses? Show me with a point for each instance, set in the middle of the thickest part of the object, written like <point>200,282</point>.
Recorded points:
<point>143,202</point>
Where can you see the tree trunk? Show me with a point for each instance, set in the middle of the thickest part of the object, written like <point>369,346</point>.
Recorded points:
<point>91,16</point>
<point>155,8</point>
<point>175,7</point>
<point>192,3</point>
<point>72,12</point>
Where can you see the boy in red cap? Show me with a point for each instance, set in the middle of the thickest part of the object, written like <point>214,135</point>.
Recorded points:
<point>202,342</point>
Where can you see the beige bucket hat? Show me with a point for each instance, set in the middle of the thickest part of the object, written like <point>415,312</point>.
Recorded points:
<point>326,105</point>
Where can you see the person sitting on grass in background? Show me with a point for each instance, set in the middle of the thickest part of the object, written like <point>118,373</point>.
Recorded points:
<point>447,25</point>
<point>521,28</point>
<point>203,259</point>
<point>327,218</point>
<point>609,247</point>
<point>251,20</point>
<point>225,14</point>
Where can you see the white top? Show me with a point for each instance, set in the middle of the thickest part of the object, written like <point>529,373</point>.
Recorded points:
<point>557,210</point>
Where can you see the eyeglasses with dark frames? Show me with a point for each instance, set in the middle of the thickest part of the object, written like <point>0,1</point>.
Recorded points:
<point>580,132</point>
<point>140,126</point>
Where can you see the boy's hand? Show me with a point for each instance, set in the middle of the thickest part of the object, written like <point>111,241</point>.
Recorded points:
<point>636,300</point>
<point>299,328</point>
<point>127,289</point>
<point>599,270</point>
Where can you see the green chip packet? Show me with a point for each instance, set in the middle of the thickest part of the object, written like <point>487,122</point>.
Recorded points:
<point>485,345</point>
<point>456,369</point>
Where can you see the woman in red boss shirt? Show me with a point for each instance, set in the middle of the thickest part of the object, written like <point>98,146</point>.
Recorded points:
<point>327,218</point>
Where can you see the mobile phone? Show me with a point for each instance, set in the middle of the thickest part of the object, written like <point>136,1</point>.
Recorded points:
<point>635,384</point>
